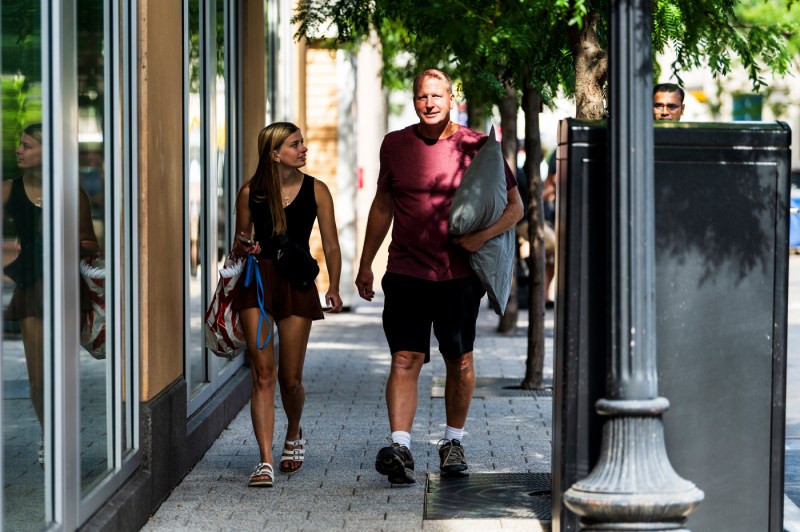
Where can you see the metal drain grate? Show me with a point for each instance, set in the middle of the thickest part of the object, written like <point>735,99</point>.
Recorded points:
<point>488,496</point>
<point>494,387</point>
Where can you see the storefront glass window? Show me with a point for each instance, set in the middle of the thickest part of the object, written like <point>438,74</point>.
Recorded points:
<point>224,225</point>
<point>26,422</point>
<point>195,175</point>
<point>68,418</point>
<point>210,193</point>
<point>96,437</point>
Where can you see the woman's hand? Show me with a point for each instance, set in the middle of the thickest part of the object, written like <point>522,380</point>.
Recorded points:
<point>334,302</point>
<point>243,246</point>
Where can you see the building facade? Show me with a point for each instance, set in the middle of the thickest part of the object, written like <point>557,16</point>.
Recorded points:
<point>128,127</point>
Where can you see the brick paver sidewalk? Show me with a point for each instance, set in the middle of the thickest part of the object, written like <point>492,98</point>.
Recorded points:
<point>345,424</point>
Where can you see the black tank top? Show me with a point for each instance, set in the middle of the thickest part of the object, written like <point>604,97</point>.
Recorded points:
<point>300,216</point>
<point>28,222</point>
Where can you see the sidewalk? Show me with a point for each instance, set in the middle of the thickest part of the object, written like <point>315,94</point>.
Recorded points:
<point>345,423</point>
<point>508,436</point>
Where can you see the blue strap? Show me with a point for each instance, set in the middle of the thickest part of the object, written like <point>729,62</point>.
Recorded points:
<point>251,271</point>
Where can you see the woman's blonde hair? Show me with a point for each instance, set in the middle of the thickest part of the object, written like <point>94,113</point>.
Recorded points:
<point>265,185</point>
<point>34,131</point>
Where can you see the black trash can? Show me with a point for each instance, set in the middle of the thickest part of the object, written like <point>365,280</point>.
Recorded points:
<point>722,244</point>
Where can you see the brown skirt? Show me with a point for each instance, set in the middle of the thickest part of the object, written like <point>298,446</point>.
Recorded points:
<point>26,302</point>
<point>281,298</point>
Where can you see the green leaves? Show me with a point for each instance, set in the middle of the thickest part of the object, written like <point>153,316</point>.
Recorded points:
<point>491,43</point>
<point>722,33</point>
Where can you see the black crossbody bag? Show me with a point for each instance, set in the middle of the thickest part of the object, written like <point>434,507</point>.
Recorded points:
<point>295,262</point>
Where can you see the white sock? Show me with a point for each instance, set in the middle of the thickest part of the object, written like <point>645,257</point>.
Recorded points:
<point>402,438</point>
<point>451,433</point>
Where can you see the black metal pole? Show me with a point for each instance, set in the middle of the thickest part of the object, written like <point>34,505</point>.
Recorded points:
<point>633,486</point>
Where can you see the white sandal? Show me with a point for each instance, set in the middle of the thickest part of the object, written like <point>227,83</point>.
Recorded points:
<point>292,456</point>
<point>262,476</point>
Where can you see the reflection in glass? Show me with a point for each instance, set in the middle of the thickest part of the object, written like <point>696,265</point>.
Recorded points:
<point>96,441</point>
<point>223,229</point>
<point>195,355</point>
<point>25,419</point>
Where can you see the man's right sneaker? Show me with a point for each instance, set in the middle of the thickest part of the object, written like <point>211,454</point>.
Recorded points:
<point>451,458</point>
<point>396,462</point>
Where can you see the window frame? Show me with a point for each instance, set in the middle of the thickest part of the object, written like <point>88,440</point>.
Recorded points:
<point>66,506</point>
<point>217,370</point>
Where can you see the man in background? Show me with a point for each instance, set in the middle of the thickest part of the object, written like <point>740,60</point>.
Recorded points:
<point>668,102</point>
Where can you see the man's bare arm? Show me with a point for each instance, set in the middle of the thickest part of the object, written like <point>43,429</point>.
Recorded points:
<point>512,214</point>
<point>380,218</point>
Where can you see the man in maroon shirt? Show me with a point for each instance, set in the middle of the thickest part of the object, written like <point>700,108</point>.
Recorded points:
<point>428,281</point>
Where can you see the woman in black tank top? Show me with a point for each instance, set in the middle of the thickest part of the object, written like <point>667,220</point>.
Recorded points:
<point>279,199</point>
<point>22,202</point>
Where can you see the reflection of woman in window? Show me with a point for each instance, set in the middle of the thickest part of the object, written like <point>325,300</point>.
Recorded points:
<point>22,200</point>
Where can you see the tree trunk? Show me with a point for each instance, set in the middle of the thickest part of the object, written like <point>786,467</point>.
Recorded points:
<point>591,68</point>
<point>508,125</point>
<point>534,364</point>
<point>477,115</point>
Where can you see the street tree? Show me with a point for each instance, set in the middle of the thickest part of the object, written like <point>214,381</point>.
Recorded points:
<point>778,17</point>
<point>778,95</point>
<point>536,49</point>
<point>491,54</point>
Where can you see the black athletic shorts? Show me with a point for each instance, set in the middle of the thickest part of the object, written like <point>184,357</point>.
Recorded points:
<point>412,306</point>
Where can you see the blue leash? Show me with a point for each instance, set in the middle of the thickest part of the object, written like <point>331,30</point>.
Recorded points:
<point>251,271</point>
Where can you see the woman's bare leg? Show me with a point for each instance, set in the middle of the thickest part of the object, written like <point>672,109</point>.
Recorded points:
<point>33,343</point>
<point>262,368</point>
<point>294,332</point>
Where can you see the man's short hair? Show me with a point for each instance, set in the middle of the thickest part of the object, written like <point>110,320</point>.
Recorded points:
<point>433,73</point>
<point>669,87</point>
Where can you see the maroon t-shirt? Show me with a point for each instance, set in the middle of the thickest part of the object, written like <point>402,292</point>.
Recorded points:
<point>422,176</point>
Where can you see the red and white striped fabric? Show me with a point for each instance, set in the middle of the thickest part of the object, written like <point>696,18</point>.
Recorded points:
<point>223,330</point>
<point>93,326</point>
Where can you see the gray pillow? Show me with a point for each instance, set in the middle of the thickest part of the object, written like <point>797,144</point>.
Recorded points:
<point>479,202</point>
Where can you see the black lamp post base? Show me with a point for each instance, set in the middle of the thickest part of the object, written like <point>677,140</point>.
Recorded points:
<point>633,485</point>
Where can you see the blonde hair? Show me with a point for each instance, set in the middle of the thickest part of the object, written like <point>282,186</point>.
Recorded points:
<point>432,73</point>
<point>265,185</point>
<point>34,131</point>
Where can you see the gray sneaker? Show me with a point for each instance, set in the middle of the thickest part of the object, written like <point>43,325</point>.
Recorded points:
<point>451,458</point>
<point>396,462</point>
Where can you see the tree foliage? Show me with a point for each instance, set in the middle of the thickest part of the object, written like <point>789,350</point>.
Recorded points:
<point>538,48</point>
<point>718,34</point>
<point>779,17</point>
<point>21,75</point>
<point>486,45</point>
<point>557,45</point>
